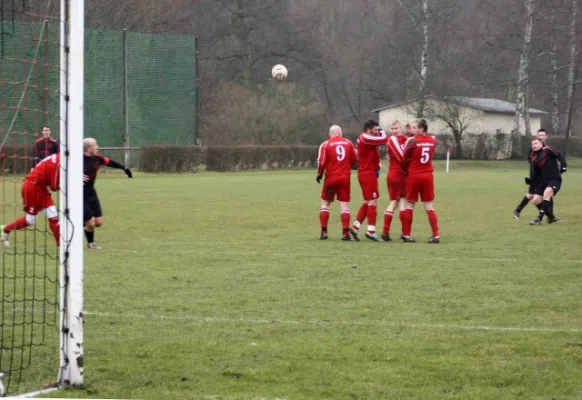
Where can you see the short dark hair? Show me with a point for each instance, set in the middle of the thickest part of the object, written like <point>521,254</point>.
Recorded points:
<point>44,126</point>
<point>542,130</point>
<point>421,122</point>
<point>537,140</point>
<point>369,124</point>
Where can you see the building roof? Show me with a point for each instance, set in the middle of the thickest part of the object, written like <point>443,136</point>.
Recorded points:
<point>487,105</point>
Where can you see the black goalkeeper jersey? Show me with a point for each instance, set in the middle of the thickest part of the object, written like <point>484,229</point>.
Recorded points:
<point>545,165</point>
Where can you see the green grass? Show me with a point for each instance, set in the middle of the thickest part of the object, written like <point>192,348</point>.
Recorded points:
<point>215,286</point>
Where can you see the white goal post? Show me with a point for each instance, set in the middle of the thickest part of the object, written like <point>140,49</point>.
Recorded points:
<point>72,41</point>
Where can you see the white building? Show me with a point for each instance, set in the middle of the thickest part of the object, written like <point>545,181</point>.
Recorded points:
<point>476,114</point>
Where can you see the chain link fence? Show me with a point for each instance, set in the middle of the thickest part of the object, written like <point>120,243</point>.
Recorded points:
<point>140,89</point>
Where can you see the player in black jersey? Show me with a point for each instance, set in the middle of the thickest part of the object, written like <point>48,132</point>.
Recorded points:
<point>45,146</point>
<point>546,175</point>
<point>92,213</point>
<point>543,136</point>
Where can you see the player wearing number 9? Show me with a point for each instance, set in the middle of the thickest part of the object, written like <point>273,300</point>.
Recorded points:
<point>336,158</point>
<point>419,151</point>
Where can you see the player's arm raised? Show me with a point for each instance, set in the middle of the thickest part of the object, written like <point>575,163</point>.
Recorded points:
<point>114,164</point>
<point>379,140</point>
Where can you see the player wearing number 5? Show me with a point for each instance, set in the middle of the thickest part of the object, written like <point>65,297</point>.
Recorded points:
<point>336,158</point>
<point>419,151</point>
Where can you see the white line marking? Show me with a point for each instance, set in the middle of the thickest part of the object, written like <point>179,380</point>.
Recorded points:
<point>192,318</point>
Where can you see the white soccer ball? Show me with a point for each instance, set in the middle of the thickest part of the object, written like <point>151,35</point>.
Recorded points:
<point>279,72</point>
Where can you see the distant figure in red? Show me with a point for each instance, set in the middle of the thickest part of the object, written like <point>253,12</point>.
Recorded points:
<point>367,146</point>
<point>36,197</point>
<point>336,158</point>
<point>396,178</point>
<point>45,146</point>
<point>419,151</point>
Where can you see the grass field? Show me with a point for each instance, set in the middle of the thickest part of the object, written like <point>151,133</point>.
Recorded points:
<point>215,286</point>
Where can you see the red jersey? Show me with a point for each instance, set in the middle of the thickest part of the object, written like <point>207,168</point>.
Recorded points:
<point>46,173</point>
<point>336,157</point>
<point>419,151</point>
<point>368,152</point>
<point>395,147</point>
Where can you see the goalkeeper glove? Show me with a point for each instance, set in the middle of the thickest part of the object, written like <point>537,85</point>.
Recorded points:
<point>128,172</point>
<point>562,170</point>
<point>318,179</point>
<point>527,181</point>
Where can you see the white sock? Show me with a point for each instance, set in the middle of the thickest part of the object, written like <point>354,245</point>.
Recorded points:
<point>357,225</point>
<point>372,228</point>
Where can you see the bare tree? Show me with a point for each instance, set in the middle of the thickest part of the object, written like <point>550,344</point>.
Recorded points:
<point>555,84</point>
<point>522,114</point>
<point>424,56</point>
<point>455,116</point>
<point>572,70</point>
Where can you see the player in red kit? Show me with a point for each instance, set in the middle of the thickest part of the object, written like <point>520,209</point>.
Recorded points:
<point>36,197</point>
<point>368,145</point>
<point>396,179</point>
<point>336,158</point>
<point>419,151</point>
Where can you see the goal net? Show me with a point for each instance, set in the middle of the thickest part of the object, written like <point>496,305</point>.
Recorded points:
<point>41,95</point>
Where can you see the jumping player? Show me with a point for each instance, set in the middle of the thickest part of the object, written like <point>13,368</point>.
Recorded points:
<point>45,146</point>
<point>368,171</point>
<point>419,151</point>
<point>92,214</point>
<point>547,176</point>
<point>396,178</point>
<point>36,198</point>
<point>336,158</point>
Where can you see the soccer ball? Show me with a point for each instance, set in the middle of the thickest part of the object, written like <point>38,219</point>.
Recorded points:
<point>279,72</point>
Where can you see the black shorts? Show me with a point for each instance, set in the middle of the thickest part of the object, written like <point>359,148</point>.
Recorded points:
<point>533,188</point>
<point>554,184</point>
<point>91,207</point>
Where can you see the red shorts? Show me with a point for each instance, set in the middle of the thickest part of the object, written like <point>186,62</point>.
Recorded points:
<point>396,185</point>
<point>369,183</point>
<point>35,199</point>
<point>420,184</point>
<point>336,187</point>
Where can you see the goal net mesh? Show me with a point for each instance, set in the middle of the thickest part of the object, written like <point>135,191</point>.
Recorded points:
<point>29,274</point>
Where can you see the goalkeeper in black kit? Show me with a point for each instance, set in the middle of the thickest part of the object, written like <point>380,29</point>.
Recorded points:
<point>92,213</point>
<point>546,177</point>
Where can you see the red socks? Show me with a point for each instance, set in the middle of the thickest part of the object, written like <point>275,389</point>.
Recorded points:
<point>362,213</point>
<point>434,222</point>
<point>406,217</point>
<point>345,220</point>
<point>372,216</point>
<point>324,218</point>
<point>17,225</point>
<point>388,215</point>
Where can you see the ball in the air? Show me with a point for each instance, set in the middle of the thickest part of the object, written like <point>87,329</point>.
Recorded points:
<point>279,72</point>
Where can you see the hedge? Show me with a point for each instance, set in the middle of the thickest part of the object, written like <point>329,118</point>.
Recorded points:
<point>226,158</point>
<point>499,146</point>
<point>16,159</point>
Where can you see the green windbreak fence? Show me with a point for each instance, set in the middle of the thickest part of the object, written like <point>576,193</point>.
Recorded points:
<point>140,89</point>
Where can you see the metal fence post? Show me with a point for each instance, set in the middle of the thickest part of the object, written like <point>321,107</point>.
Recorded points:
<point>125,97</point>
<point>197,90</point>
